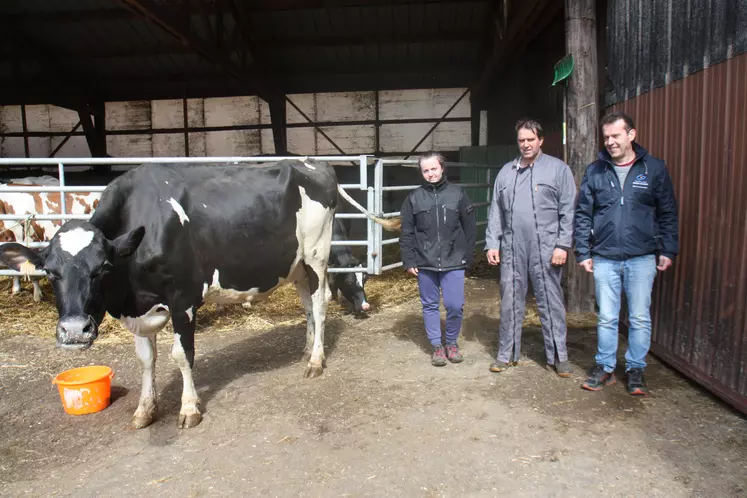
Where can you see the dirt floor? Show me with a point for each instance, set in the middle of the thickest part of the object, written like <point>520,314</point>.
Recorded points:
<point>381,421</point>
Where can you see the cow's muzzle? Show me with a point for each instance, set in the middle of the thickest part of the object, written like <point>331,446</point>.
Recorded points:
<point>76,332</point>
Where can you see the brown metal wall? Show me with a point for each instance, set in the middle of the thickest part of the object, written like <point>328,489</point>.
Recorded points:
<point>698,125</point>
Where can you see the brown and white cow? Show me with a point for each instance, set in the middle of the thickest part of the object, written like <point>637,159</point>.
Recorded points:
<point>33,230</point>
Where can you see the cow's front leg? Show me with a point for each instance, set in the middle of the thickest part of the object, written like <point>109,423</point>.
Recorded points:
<point>16,286</point>
<point>145,347</point>
<point>37,290</point>
<point>183,354</point>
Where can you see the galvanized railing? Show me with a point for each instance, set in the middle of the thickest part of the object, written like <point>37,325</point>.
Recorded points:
<point>62,188</point>
<point>380,188</point>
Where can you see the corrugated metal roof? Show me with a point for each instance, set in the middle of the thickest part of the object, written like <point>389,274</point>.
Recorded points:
<point>360,44</point>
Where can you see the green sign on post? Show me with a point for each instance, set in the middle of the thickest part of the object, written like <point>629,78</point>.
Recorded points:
<point>563,69</point>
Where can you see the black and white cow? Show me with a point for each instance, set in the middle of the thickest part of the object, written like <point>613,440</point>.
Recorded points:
<point>165,239</point>
<point>350,285</point>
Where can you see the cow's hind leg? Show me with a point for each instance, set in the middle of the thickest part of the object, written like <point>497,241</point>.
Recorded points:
<point>183,353</point>
<point>145,347</point>
<point>316,274</point>
<point>302,287</point>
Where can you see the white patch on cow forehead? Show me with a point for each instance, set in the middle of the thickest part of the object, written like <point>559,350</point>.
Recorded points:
<point>179,210</point>
<point>75,240</point>
<point>359,278</point>
<point>309,165</point>
<point>190,313</point>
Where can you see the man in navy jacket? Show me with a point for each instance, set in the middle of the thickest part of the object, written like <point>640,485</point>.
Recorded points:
<point>625,230</point>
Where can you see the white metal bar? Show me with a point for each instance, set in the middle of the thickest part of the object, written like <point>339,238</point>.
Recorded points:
<point>61,171</point>
<point>379,206</point>
<point>85,161</point>
<point>13,273</point>
<point>390,241</point>
<point>349,242</point>
<point>480,204</point>
<point>392,266</point>
<point>399,187</point>
<point>348,186</point>
<point>345,270</point>
<point>371,253</point>
<point>481,223</point>
<point>32,245</point>
<point>350,215</point>
<point>55,188</point>
<point>413,162</point>
<point>363,172</point>
<point>50,217</point>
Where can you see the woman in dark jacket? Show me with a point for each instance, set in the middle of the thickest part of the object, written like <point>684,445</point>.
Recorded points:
<point>437,244</point>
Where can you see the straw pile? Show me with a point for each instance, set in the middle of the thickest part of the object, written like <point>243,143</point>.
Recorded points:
<point>19,314</point>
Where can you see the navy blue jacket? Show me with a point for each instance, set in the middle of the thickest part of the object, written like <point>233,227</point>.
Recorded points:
<point>624,223</point>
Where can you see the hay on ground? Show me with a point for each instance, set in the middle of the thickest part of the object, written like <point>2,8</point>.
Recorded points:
<point>19,314</point>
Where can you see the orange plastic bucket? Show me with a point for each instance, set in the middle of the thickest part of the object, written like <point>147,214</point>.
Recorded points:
<point>85,389</point>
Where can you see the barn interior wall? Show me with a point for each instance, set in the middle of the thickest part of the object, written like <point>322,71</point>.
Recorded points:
<point>250,111</point>
<point>522,89</point>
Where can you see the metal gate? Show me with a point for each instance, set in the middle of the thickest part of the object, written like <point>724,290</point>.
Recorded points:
<point>374,241</point>
<point>484,189</point>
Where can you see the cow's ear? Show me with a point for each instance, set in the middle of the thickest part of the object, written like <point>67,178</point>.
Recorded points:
<point>126,244</point>
<point>20,258</point>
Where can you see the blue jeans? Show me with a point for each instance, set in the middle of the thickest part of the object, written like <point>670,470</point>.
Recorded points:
<point>431,284</point>
<point>636,277</point>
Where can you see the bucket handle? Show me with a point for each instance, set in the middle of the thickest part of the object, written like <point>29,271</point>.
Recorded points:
<point>56,381</point>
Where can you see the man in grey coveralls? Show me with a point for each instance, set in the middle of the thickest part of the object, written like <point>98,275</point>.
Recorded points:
<point>529,233</point>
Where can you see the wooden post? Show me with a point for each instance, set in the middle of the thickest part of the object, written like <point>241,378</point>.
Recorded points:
<point>279,121</point>
<point>582,112</point>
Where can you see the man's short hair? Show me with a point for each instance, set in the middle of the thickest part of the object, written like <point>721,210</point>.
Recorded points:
<point>430,155</point>
<point>532,125</point>
<point>616,116</point>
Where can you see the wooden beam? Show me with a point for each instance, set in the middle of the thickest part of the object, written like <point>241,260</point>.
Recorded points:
<point>24,125</point>
<point>446,114</point>
<point>95,133</point>
<point>64,140</point>
<point>291,40</point>
<point>279,120</point>
<point>185,115</point>
<point>582,111</point>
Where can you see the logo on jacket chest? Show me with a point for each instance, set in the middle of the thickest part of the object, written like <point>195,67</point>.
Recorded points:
<point>641,181</point>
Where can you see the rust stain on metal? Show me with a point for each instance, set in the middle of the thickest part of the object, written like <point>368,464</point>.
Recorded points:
<point>698,125</point>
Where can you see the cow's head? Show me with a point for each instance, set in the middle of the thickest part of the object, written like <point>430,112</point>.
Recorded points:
<point>7,235</point>
<point>352,287</point>
<point>79,263</point>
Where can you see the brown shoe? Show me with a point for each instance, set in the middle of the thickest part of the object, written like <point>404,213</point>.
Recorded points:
<point>499,366</point>
<point>564,369</point>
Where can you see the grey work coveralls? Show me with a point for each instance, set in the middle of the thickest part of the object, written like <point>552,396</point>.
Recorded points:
<point>531,214</point>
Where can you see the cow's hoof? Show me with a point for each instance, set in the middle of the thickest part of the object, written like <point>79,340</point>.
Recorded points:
<point>141,421</point>
<point>189,420</point>
<point>313,371</point>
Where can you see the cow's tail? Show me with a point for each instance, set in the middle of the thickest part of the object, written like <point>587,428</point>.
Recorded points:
<point>391,224</point>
